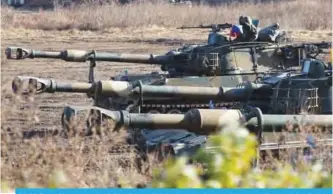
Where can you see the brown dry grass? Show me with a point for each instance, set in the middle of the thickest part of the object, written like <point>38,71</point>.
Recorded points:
<point>291,14</point>
<point>39,157</point>
<point>79,162</point>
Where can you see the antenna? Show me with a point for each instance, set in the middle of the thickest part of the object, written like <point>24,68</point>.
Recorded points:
<point>254,59</point>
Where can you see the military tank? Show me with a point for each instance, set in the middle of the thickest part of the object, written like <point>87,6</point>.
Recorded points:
<point>281,93</point>
<point>219,56</point>
<point>213,59</point>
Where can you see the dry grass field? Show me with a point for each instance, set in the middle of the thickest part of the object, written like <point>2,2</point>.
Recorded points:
<point>314,15</point>
<point>138,28</point>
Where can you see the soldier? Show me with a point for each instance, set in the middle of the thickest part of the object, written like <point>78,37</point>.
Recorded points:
<point>270,33</point>
<point>250,32</point>
<point>245,31</point>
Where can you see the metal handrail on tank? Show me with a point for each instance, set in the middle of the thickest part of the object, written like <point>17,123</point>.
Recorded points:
<point>287,145</point>
<point>294,100</point>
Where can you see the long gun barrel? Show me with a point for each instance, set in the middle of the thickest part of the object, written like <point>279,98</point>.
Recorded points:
<point>124,89</point>
<point>38,85</point>
<point>213,26</point>
<point>83,56</point>
<point>203,121</point>
<point>111,88</point>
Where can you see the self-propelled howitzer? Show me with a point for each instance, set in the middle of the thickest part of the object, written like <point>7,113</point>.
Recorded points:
<point>199,123</point>
<point>283,93</point>
<point>192,60</point>
<point>123,95</point>
<point>179,134</point>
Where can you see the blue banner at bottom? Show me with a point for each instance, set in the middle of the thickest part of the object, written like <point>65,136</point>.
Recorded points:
<point>173,191</point>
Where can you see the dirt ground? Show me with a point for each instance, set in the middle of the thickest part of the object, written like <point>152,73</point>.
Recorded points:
<point>44,111</point>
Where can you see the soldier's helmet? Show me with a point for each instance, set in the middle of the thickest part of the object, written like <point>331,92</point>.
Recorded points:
<point>245,19</point>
